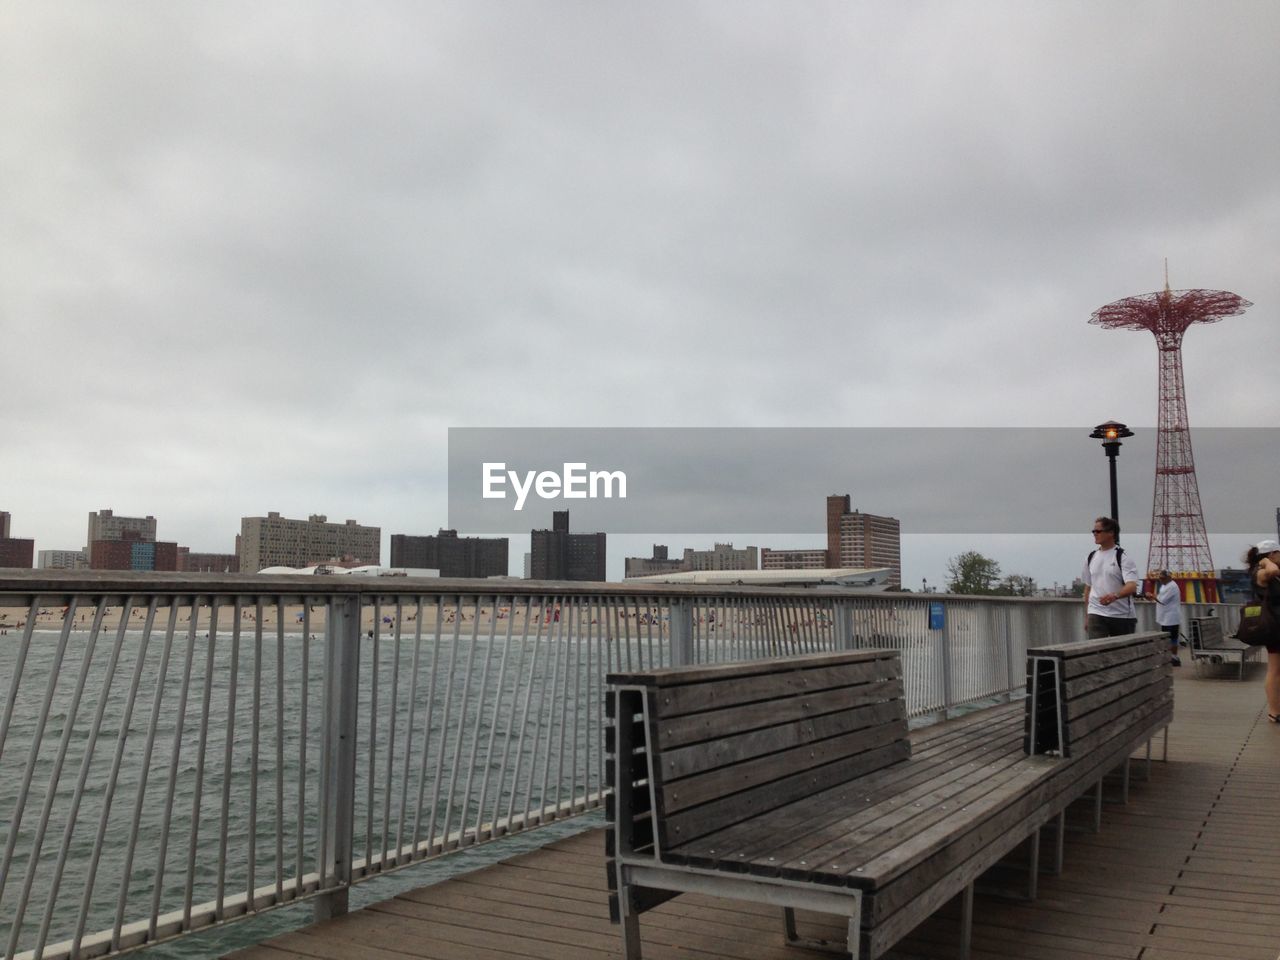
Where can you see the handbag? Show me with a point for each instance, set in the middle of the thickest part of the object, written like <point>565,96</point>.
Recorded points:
<point>1257,625</point>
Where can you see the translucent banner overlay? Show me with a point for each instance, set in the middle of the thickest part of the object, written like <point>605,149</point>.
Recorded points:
<point>1021,480</point>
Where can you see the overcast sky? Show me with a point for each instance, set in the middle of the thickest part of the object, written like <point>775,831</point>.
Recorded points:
<point>261,257</point>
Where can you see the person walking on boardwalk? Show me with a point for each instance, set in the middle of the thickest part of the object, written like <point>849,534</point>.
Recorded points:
<point>1168,600</point>
<point>1110,582</point>
<point>1264,575</point>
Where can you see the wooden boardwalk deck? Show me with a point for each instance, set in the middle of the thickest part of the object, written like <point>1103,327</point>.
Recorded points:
<point>1189,870</point>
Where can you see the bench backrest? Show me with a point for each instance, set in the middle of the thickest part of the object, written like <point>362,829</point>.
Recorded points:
<point>1206,634</point>
<point>695,750</point>
<point>1079,695</point>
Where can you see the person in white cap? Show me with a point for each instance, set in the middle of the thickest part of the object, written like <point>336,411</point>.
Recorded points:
<point>1264,573</point>
<point>1168,600</point>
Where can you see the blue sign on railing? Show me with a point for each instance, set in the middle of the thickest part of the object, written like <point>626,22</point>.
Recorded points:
<point>937,619</point>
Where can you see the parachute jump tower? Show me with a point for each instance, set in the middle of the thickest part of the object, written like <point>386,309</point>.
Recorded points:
<point>1179,542</point>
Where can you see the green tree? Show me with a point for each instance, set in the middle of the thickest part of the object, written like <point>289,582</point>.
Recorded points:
<point>972,573</point>
<point>1017,585</point>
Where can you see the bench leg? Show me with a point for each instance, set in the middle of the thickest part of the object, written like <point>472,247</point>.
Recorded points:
<point>1097,807</point>
<point>630,921</point>
<point>1059,844</point>
<point>1033,867</point>
<point>631,936</point>
<point>853,935</point>
<point>1124,778</point>
<point>789,925</point>
<point>1165,755</point>
<point>966,922</point>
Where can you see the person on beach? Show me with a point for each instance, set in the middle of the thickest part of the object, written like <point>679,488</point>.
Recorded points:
<point>1110,582</point>
<point>1264,575</point>
<point>1168,600</point>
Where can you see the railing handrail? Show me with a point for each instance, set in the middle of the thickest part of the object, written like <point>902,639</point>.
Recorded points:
<point>53,583</point>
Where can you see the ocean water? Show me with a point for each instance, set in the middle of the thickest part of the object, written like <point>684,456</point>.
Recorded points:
<point>456,733</point>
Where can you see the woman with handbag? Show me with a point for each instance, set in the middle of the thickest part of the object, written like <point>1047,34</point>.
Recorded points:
<point>1264,574</point>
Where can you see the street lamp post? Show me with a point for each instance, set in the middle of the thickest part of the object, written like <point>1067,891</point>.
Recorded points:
<point>1111,433</point>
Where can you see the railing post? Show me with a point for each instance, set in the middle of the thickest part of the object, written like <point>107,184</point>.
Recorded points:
<point>843,625</point>
<point>944,640</point>
<point>681,612</point>
<point>343,686</point>
<point>1010,661</point>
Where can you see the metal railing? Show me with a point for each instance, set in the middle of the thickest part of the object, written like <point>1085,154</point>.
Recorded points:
<point>179,752</point>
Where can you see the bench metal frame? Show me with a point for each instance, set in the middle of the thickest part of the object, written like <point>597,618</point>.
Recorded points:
<point>1218,649</point>
<point>636,871</point>
<point>644,870</point>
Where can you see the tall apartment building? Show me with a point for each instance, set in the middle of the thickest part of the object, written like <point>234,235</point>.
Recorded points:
<point>276,541</point>
<point>660,562</point>
<point>62,560</point>
<point>856,539</point>
<point>452,555</point>
<point>105,525</point>
<point>793,559</point>
<point>722,556</point>
<point>5,520</point>
<point>558,554</point>
<point>127,543</point>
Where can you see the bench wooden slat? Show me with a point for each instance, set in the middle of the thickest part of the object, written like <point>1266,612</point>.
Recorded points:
<point>873,846</point>
<point>694,697</point>
<point>939,759</point>
<point>708,770</point>
<point>1114,713</point>
<point>1085,683</point>
<point>1154,671</point>
<point>699,821</point>
<point>714,724</point>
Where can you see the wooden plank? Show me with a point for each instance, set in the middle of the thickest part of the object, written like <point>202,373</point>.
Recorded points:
<point>1114,712</point>
<point>1079,667</point>
<point>1152,661</point>
<point>942,759</point>
<point>699,821</point>
<point>713,724</point>
<point>726,781</point>
<point>1083,703</point>
<point>700,757</point>
<point>733,691</point>
<point>1090,648</point>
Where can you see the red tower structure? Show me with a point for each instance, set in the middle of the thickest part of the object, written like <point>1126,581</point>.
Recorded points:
<point>1179,542</point>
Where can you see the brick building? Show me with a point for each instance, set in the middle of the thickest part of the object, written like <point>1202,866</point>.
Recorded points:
<point>133,554</point>
<point>452,555</point>
<point>558,554</point>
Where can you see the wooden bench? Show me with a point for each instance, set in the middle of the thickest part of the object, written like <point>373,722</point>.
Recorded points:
<point>795,784</point>
<point>1209,646</point>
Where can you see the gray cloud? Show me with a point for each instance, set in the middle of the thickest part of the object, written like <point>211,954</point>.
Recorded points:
<point>262,258</point>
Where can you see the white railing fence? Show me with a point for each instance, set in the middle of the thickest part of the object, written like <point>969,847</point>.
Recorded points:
<point>176,753</point>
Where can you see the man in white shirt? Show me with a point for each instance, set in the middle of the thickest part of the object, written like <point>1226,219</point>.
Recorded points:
<point>1110,582</point>
<point>1168,600</point>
